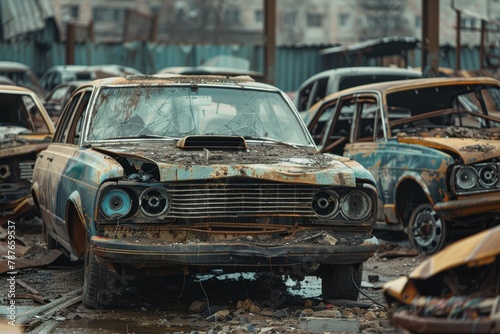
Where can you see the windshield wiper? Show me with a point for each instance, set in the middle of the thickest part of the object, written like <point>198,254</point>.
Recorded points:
<point>270,140</point>
<point>140,137</point>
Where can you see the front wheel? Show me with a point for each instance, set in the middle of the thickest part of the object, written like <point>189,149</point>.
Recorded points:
<point>97,291</point>
<point>340,281</point>
<point>426,230</point>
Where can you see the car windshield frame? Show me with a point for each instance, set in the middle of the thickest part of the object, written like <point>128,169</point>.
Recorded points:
<point>139,112</point>
<point>462,106</point>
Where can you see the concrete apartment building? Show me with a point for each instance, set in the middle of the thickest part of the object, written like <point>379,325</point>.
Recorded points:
<point>299,22</point>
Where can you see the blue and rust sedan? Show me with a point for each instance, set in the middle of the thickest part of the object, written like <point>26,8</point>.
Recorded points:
<point>432,146</point>
<point>186,174</point>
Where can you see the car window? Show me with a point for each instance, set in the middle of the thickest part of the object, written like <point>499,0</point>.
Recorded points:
<point>365,120</point>
<point>21,111</point>
<point>312,93</point>
<point>340,128</point>
<point>62,131</point>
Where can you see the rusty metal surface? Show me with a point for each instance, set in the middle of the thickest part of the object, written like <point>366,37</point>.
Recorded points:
<point>453,291</point>
<point>430,142</point>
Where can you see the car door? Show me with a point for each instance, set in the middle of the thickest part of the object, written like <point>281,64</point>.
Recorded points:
<point>55,182</point>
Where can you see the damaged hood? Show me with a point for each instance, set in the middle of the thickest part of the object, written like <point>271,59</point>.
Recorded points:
<point>15,141</point>
<point>270,162</point>
<point>471,150</point>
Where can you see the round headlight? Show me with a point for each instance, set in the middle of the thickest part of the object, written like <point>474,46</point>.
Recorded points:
<point>356,205</point>
<point>116,203</point>
<point>154,201</point>
<point>325,203</point>
<point>466,178</point>
<point>488,176</point>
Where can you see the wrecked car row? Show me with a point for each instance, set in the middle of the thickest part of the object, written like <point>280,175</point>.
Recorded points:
<point>174,174</point>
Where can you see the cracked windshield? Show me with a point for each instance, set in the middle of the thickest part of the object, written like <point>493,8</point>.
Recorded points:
<point>183,111</point>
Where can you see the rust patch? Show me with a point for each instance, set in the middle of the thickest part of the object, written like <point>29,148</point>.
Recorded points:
<point>477,148</point>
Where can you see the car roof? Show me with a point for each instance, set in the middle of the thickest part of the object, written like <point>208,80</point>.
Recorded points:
<point>171,79</point>
<point>365,70</point>
<point>12,66</point>
<point>15,89</point>
<point>388,86</point>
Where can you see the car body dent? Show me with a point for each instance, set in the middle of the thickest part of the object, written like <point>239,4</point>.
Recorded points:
<point>459,278</point>
<point>470,150</point>
<point>312,168</point>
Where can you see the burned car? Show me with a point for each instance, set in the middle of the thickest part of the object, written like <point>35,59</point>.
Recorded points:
<point>456,290</point>
<point>25,130</point>
<point>172,174</point>
<point>432,146</point>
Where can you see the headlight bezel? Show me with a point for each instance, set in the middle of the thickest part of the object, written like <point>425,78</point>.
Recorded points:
<point>135,194</point>
<point>342,197</point>
<point>487,178</point>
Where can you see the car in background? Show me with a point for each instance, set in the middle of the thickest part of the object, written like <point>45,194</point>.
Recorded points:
<point>22,75</point>
<point>330,81</point>
<point>212,70</point>
<point>56,99</point>
<point>178,174</point>
<point>453,291</point>
<point>61,74</point>
<point>25,130</point>
<point>432,146</point>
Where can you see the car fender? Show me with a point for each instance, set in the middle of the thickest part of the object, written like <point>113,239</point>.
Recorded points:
<point>76,224</point>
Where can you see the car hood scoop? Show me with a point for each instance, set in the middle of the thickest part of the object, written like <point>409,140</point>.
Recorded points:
<point>235,143</point>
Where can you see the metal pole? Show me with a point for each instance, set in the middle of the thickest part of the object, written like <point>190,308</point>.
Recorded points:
<point>269,40</point>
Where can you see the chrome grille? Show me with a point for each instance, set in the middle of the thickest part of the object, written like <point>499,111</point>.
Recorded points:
<point>26,170</point>
<point>240,200</point>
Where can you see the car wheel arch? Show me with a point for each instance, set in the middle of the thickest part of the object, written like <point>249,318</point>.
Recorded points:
<point>404,205</point>
<point>34,196</point>
<point>75,225</point>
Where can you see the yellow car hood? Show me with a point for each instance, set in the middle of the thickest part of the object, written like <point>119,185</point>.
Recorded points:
<point>471,150</point>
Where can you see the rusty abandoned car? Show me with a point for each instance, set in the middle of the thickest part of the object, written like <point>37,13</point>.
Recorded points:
<point>25,130</point>
<point>456,290</point>
<point>172,174</point>
<point>432,146</point>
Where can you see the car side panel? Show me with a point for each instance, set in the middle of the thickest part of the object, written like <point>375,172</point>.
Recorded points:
<point>67,173</point>
<point>392,163</point>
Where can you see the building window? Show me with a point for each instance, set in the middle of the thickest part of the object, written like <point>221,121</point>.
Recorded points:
<point>314,20</point>
<point>70,11</point>
<point>259,15</point>
<point>418,21</point>
<point>289,19</point>
<point>232,16</point>
<point>343,19</point>
<point>100,14</point>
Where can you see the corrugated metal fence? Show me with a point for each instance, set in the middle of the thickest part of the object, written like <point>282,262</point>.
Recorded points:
<point>293,65</point>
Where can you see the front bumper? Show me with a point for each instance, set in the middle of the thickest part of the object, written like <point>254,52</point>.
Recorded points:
<point>484,203</point>
<point>144,253</point>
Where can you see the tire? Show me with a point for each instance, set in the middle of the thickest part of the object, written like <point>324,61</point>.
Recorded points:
<point>426,230</point>
<point>96,285</point>
<point>337,281</point>
<point>47,239</point>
